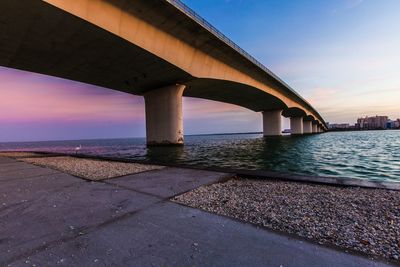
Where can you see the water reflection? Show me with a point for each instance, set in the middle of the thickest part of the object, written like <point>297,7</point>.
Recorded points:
<point>365,155</point>
<point>169,154</point>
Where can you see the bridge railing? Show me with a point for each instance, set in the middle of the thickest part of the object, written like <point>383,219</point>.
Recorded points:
<point>204,23</point>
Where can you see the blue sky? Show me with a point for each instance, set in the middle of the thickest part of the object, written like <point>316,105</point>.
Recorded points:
<point>343,56</point>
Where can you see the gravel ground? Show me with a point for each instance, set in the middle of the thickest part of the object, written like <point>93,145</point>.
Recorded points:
<point>366,220</point>
<point>18,154</point>
<point>89,168</point>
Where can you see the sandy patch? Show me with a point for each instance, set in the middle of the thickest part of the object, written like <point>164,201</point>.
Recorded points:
<point>18,154</point>
<point>90,168</point>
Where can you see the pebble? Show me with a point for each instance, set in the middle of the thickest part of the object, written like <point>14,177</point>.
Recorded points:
<point>366,220</point>
<point>90,168</point>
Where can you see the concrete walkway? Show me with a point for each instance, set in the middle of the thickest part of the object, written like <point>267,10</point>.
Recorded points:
<point>49,218</point>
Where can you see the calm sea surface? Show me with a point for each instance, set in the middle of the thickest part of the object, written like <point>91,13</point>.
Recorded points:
<point>373,155</point>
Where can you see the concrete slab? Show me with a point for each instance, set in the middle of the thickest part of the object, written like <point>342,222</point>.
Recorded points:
<point>15,165</point>
<point>24,172</point>
<point>58,213</point>
<point>15,191</point>
<point>168,234</point>
<point>168,182</point>
<point>4,160</point>
<point>58,219</point>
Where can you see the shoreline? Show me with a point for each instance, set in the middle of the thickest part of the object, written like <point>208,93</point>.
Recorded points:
<point>325,180</point>
<point>359,130</point>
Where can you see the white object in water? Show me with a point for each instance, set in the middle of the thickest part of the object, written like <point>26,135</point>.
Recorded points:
<point>78,148</point>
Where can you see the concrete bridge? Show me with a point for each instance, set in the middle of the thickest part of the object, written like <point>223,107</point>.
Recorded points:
<point>156,48</point>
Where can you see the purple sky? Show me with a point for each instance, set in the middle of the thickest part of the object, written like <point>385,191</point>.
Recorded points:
<point>341,55</point>
<point>38,107</point>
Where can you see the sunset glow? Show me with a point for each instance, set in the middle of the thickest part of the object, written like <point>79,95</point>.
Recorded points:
<point>346,65</point>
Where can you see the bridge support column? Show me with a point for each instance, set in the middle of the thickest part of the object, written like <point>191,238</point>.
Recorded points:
<point>164,120</point>
<point>314,128</point>
<point>296,125</point>
<point>272,123</point>
<point>307,127</point>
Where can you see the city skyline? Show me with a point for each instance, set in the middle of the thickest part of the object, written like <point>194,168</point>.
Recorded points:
<point>345,65</point>
<point>376,122</point>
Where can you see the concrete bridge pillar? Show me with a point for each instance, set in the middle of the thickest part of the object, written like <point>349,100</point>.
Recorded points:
<point>296,125</point>
<point>272,123</point>
<point>164,120</point>
<point>307,127</point>
<point>314,128</point>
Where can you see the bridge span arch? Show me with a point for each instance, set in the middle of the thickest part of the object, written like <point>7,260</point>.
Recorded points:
<point>156,48</point>
<point>235,93</point>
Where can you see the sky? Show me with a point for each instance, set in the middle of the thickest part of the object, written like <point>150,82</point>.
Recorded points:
<point>342,56</point>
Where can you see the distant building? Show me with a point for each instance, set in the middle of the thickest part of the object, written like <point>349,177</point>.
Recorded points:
<point>372,123</point>
<point>393,124</point>
<point>366,123</point>
<point>337,126</point>
<point>390,124</point>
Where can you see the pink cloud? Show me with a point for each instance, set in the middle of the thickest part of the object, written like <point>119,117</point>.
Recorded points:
<point>318,95</point>
<point>32,97</point>
<point>195,108</point>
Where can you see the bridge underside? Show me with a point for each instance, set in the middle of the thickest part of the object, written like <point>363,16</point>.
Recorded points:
<point>38,37</point>
<point>233,93</point>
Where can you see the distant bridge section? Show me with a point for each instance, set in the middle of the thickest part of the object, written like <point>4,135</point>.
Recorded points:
<point>160,49</point>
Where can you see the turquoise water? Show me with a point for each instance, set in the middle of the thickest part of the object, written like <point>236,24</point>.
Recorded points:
<point>373,155</point>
